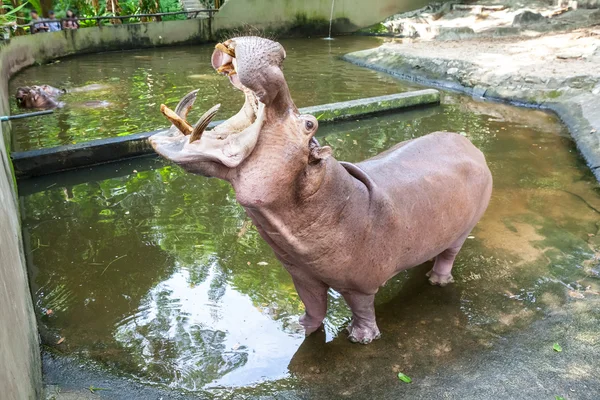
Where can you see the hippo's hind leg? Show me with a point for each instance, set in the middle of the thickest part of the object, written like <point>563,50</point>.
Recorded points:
<point>441,274</point>
<point>363,328</point>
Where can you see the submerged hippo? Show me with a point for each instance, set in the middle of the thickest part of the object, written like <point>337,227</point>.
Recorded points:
<point>332,224</point>
<point>36,97</point>
<point>46,96</point>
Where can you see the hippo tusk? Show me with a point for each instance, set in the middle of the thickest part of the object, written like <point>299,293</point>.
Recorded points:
<point>184,106</point>
<point>181,124</point>
<point>225,49</point>
<point>203,123</point>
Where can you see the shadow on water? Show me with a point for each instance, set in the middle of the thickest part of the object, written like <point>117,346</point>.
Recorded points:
<point>160,275</point>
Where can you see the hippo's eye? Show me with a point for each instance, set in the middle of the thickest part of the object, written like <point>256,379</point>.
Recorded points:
<point>309,125</point>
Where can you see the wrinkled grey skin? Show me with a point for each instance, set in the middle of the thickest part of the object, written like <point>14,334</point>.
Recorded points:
<point>333,224</point>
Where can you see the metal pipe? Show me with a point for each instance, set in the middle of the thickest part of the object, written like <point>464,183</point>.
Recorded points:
<point>26,115</point>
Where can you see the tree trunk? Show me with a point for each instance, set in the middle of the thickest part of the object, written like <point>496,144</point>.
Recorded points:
<point>112,6</point>
<point>46,6</point>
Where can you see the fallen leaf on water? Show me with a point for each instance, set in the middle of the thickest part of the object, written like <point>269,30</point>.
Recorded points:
<point>470,237</point>
<point>354,142</point>
<point>262,263</point>
<point>557,347</point>
<point>235,346</point>
<point>49,312</point>
<point>559,398</point>
<point>248,262</point>
<point>404,378</point>
<point>62,339</point>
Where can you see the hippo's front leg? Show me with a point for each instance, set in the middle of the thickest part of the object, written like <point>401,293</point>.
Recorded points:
<point>363,328</point>
<point>313,294</point>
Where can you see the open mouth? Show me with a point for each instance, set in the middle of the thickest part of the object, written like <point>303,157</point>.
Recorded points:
<point>229,142</point>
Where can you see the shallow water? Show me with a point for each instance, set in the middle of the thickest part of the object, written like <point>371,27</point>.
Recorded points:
<point>137,82</point>
<point>158,274</point>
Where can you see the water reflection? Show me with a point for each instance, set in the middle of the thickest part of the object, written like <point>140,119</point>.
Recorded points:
<point>159,274</point>
<point>137,82</point>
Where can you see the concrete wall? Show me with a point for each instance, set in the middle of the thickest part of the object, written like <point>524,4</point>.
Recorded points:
<point>349,15</point>
<point>20,371</point>
<point>20,365</point>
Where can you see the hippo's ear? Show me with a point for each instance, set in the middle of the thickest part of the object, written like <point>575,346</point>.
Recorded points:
<point>319,154</point>
<point>36,97</point>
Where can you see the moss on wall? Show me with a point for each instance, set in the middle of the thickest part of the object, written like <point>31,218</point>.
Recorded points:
<point>348,15</point>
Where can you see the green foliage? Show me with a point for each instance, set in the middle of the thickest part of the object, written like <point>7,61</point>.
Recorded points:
<point>404,378</point>
<point>83,8</point>
<point>557,347</point>
<point>11,13</point>
<point>376,29</point>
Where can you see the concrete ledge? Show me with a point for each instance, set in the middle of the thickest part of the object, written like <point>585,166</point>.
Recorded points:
<point>363,107</point>
<point>579,111</point>
<point>46,161</point>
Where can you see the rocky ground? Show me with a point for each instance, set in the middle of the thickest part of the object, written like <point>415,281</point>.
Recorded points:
<point>539,54</point>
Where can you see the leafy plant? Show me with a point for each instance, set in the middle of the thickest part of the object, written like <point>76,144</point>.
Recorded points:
<point>10,13</point>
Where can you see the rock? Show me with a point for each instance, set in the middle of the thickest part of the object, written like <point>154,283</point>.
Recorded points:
<point>527,18</point>
<point>455,33</point>
<point>569,54</point>
<point>531,79</point>
<point>452,71</point>
<point>479,91</point>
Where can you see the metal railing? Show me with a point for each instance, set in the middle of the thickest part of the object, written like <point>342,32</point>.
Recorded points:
<point>190,14</point>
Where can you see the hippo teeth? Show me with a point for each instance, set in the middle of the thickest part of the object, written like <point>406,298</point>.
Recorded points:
<point>203,123</point>
<point>225,49</point>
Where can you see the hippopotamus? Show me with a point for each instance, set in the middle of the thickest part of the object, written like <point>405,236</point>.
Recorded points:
<point>45,96</point>
<point>50,90</point>
<point>332,224</point>
<point>37,97</point>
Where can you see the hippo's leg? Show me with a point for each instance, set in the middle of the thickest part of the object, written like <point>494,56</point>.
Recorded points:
<point>441,274</point>
<point>363,328</point>
<point>313,294</point>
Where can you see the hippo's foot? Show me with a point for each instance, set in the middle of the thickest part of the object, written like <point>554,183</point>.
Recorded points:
<point>438,279</point>
<point>363,334</point>
<point>310,324</point>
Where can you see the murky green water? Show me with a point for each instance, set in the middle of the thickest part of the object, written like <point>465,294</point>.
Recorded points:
<point>137,82</point>
<point>159,274</point>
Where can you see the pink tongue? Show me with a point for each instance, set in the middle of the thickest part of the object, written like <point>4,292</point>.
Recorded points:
<point>219,59</point>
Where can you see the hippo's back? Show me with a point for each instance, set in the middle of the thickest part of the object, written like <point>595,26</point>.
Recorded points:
<point>431,192</point>
<point>438,159</point>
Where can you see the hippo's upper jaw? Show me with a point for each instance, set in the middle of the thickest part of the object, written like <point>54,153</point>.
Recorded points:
<point>254,66</point>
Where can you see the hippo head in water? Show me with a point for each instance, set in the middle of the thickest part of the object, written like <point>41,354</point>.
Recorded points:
<point>36,97</point>
<point>268,125</point>
<point>49,90</point>
<point>332,224</point>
